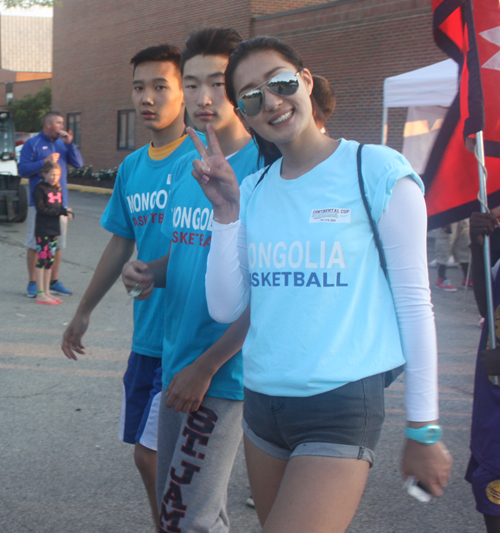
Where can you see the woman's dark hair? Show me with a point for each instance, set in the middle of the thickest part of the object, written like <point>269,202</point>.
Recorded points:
<point>210,42</point>
<point>268,151</point>
<point>323,100</point>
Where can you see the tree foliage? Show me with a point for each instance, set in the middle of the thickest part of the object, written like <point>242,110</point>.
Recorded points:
<point>26,4</point>
<point>29,111</point>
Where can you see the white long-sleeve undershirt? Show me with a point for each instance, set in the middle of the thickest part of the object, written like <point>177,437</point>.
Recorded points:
<point>403,232</point>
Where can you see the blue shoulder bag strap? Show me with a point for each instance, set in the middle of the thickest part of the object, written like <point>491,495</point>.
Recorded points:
<point>262,176</point>
<point>390,375</point>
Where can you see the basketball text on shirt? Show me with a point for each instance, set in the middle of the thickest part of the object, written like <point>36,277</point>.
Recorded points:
<point>295,256</point>
<point>197,219</point>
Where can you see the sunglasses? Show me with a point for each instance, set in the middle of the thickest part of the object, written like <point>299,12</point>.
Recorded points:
<point>284,84</point>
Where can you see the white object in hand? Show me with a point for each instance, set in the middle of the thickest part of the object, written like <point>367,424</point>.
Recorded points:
<point>136,291</point>
<point>415,489</point>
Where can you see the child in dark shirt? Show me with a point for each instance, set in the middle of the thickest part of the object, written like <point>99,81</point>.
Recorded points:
<point>48,202</point>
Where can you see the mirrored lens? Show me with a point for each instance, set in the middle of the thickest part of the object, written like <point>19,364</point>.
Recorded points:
<point>285,84</point>
<point>251,103</point>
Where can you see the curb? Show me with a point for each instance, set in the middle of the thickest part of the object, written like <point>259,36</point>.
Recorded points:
<point>82,188</point>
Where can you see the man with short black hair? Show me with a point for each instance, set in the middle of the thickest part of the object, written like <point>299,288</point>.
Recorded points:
<point>134,216</point>
<point>54,144</point>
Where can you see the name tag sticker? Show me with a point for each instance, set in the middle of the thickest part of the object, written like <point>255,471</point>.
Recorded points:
<point>332,214</point>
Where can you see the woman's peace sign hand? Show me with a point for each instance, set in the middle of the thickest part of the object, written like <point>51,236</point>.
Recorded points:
<point>216,177</point>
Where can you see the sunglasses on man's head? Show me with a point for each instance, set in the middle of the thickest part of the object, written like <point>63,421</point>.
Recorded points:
<point>284,84</point>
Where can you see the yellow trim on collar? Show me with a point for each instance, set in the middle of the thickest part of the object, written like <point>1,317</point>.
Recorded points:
<point>157,154</point>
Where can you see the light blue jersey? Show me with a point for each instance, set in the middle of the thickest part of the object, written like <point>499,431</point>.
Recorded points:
<point>189,329</point>
<point>322,312</point>
<point>136,211</point>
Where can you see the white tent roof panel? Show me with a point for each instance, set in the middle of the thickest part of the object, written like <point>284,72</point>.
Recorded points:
<point>433,85</point>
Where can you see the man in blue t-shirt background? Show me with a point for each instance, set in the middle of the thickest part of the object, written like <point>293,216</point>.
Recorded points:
<point>201,406</point>
<point>54,144</point>
<point>134,216</point>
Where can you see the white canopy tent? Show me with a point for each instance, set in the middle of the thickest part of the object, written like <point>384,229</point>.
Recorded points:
<point>435,85</point>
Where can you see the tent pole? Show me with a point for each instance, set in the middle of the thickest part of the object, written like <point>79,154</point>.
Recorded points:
<point>384,126</point>
<point>483,199</point>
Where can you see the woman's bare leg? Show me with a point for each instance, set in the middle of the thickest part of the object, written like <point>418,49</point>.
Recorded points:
<point>317,495</point>
<point>264,473</point>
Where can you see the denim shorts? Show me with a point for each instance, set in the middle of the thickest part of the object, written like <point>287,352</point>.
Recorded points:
<point>345,422</point>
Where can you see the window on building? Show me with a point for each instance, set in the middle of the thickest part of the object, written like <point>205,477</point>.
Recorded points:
<point>73,125</point>
<point>126,130</point>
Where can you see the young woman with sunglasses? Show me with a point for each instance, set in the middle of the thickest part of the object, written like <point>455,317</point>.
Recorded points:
<point>325,324</point>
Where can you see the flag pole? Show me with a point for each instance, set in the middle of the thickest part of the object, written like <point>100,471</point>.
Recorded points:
<point>483,199</point>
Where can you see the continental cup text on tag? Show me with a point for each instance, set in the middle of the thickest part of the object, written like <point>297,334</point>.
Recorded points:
<point>332,214</point>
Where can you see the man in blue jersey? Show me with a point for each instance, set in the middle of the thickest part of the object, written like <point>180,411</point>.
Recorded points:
<point>54,144</point>
<point>200,412</point>
<point>134,216</point>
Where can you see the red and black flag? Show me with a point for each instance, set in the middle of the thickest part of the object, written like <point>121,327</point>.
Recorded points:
<point>470,34</point>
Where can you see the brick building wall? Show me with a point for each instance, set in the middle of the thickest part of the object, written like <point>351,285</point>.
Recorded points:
<point>356,44</point>
<point>20,89</point>
<point>24,88</point>
<point>92,76</point>
<point>28,76</point>
<point>265,7</point>
<point>13,76</point>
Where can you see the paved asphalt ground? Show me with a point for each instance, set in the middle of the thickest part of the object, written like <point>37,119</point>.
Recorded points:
<point>62,467</point>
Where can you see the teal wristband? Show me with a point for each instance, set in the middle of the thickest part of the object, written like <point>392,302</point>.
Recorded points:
<point>428,435</point>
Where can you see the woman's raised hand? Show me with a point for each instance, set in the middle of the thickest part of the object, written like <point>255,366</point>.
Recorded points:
<point>216,177</point>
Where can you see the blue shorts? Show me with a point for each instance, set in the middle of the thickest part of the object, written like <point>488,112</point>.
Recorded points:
<point>485,487</point>
<point>345,422</point>
<point>141,401</point>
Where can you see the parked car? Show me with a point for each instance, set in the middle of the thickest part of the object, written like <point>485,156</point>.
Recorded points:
<point>21,136</point>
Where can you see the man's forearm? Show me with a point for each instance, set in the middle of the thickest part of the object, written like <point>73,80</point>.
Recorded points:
<point>228,344</point>
<point>75,159</point>
<point>115,255</point>
<point>158,268</point>
<point>30,162</point>
<point>29,169</point>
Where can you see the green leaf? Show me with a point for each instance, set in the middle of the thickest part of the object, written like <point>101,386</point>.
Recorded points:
<point>26,4</point>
